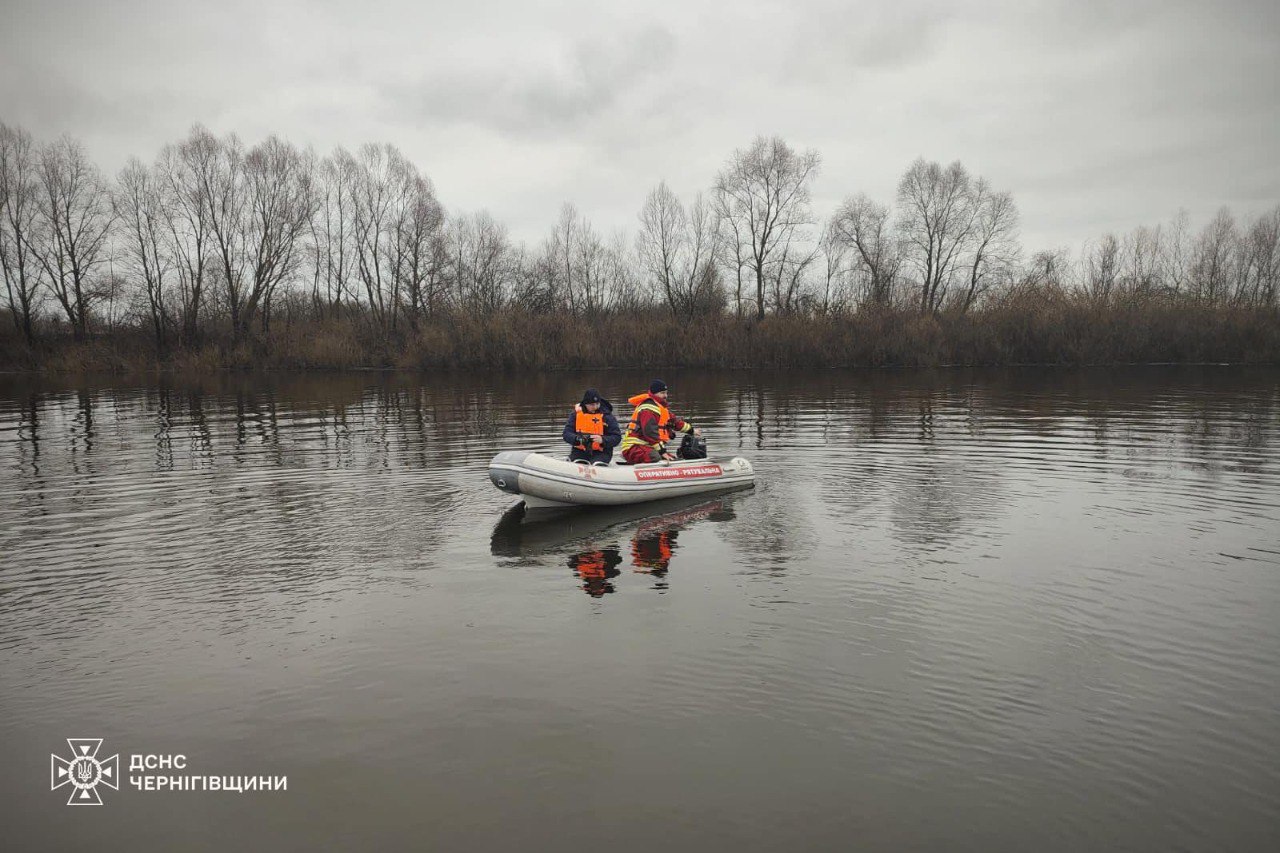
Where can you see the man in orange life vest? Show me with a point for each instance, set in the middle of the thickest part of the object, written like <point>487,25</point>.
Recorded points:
<point>592,430</point>
<point>652,426</point>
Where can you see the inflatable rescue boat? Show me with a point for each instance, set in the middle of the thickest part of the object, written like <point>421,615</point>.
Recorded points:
<point>544,481</point>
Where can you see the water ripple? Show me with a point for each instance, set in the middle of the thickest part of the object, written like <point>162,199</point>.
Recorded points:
<point>1041,604</point>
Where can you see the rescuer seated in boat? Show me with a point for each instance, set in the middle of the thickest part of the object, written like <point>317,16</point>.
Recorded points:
<point>592,430</point>
<point>652,426</point>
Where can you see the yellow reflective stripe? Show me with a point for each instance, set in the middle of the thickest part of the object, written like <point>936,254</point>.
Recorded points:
<point>632,441</point>
<point>635,416</point>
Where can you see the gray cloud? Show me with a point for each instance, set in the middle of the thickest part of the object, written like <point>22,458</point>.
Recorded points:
<point>1097,115</point>
<point>522,97</point>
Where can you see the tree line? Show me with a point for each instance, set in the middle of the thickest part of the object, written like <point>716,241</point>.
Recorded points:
<point>216,238</point>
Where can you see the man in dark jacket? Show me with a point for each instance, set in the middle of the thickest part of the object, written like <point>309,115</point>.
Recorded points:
<point>592,430</point>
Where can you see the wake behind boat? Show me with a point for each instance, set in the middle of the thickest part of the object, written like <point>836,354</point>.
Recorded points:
<point>545,481</point>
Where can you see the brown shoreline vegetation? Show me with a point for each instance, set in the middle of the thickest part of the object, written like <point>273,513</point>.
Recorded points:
<point>1031,328</point>
<point>220,256</point>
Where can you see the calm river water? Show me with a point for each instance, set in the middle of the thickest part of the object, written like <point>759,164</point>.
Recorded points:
<point>1016,610</point>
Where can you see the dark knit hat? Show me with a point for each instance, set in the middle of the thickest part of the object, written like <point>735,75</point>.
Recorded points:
<point>657,386</point>
<point>591,395</point>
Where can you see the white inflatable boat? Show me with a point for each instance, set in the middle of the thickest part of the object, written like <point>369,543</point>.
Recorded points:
<point>546,481</point>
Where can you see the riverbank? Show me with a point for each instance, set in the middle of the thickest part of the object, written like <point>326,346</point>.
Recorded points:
<point>1036,330</point>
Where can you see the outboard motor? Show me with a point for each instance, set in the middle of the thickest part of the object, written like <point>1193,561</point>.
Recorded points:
<point>692,447</point>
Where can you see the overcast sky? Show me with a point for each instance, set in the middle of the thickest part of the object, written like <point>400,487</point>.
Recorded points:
<point>1097,116</point>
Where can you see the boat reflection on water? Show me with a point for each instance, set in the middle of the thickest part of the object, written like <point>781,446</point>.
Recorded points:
<point>592,541</point>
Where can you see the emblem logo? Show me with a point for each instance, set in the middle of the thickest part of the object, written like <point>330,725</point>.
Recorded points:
<point>84,771</point>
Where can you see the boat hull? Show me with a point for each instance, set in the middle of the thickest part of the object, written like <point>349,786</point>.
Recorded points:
<point>545,481</point>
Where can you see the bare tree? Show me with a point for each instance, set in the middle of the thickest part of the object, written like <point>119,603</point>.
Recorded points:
<point>731,252</point>
<point>20,226</point>
<point>221,189</point>
<point>701,279</point>
<point>280,199</point>
<point>660,241</point>
<point>836,269</point>
<point>1102,268</point>
<point>787,273</point>
<point>383,183</point>
<point>331,240</point>
<point>183,171</point>
<point>1048,270</point>
<point>937,220</point>
<point>620,271</point>
<point>139,206</point>
<point>591,263</point>
<point>421,251</point>
<point>1175,254</point>
<point>258,205</point>
<point>560,248</point>
<point>535,285</point>
<point>677,248</point>
<point>863,225</point>
<point>1258,264</point>
<point>762,196</point>
<point>1213,258</point>
<point>1140,260</point>
<point>994,240</point>
<point>482,262</point>
<point>577,269</point>
<point>75,207</point>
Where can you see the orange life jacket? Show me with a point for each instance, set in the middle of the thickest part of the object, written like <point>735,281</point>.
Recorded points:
<point>642,402</point>
<point>587,423</point>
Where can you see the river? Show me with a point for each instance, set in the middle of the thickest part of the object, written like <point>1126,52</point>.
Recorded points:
<point>964,610</point>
